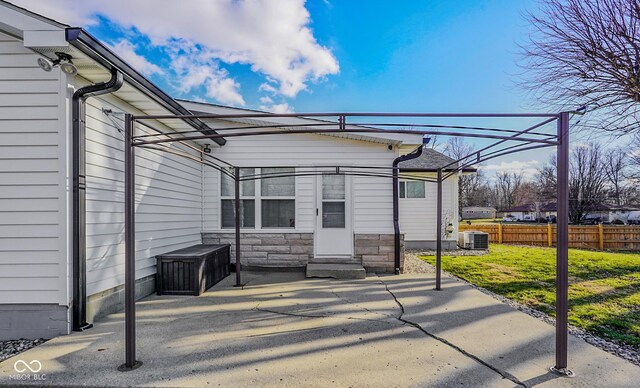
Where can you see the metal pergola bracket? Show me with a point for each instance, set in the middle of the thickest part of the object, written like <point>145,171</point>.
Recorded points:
<point>565,372</point>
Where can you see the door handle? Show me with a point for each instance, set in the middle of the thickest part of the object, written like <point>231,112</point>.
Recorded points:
<point>317,212</point>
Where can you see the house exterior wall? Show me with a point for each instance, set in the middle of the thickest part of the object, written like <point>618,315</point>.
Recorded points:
<point>168,199</point>
<point>372,204</point>
<point>418,215</point>
<point>33,194</point>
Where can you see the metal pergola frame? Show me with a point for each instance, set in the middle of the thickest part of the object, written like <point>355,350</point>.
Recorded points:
<point>531,138</point>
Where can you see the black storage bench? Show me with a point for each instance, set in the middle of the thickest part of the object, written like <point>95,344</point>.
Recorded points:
<point>192,270</point>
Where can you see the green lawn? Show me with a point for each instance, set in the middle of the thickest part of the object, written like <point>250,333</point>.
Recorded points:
<point>604,291</point>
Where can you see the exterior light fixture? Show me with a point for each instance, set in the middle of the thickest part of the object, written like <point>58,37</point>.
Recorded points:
<point>449,228</point>
<point>64,61</point>
<point>206,149</point>
<point>44,64</point>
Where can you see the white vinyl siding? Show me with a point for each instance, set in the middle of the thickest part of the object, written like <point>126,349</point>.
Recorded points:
<point>168,199</point>
<point>372,196</point>
<point>32,174</point>
<point>418,215</point>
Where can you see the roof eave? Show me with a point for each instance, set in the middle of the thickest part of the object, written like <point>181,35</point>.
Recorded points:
<point>435,169</point>
<point>93,48</point>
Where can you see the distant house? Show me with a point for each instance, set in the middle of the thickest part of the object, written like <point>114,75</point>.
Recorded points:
<point>477,212</point>
<point>531,211</point>
<point>596,214</point>
<point>611,214</point>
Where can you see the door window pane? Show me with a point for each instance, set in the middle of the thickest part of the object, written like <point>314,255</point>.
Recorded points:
<point>281,186</point>
<point>278,213</point>
<point>415,189</point>
<point>402,190</point>
<point>333,215</point>
<point>333,187</point>
<point>247,213</point>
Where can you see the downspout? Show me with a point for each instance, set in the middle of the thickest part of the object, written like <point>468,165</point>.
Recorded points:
<point>396,218</point>
<point>79,241</point>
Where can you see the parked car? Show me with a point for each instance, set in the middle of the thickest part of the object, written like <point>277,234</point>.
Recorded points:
<point>509,219</point>
<point>591,220</point>
<point>634,217</point>
<point>552,219</point>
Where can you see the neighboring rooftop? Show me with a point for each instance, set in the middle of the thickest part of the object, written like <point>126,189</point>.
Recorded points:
<point>430,161</point>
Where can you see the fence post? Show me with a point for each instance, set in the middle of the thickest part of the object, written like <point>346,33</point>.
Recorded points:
<point>601,236</point>
<point>500,233</point>
<point>549,235</point>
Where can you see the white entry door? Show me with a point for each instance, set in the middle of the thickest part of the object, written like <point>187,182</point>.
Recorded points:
<point>333,235</point>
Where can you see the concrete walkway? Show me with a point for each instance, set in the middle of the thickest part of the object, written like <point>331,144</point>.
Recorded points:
<point>284,330</point>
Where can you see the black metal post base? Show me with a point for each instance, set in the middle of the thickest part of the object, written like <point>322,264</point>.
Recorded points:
<point>84,326</point>
<point>397,271</point>
<point>562,372</point>
<point>125,368</point>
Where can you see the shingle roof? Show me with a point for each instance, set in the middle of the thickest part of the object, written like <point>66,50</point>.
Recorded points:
<point>430,160</point>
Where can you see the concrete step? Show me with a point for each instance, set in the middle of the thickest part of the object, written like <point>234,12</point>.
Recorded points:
<point>337,271</point>
<point>335,260</point>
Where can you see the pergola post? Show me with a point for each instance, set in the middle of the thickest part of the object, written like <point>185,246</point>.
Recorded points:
<point>129,248</point>
<point>237,223</point>
<point>439,231</point>
<point>562,248</point>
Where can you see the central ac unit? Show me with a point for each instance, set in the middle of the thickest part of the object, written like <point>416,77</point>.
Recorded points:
<point>473,240</point>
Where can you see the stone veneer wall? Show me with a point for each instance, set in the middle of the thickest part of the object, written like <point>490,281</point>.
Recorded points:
<point>276,250</point>
<point>293,250</point>
<point>377,252</point>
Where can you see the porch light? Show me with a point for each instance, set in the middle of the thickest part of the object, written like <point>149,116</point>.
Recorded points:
<point>206,149</point>
<point>449,228</point>
<point>64,61</point>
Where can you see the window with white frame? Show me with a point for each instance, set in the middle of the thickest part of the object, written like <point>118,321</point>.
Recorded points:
<point>266,203</point>
<point>247,200</point>
<point>412,189</point>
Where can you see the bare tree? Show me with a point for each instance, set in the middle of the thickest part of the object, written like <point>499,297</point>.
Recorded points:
<point>506,188</point>
<point>587,52</point>
<point>615,164</point>
<point>457,148</point>
<point>546,182</point>
<point>635,157</point>
<point>587,181</point>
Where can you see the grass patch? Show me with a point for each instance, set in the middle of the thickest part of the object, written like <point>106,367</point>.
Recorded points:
<point>604,290</point>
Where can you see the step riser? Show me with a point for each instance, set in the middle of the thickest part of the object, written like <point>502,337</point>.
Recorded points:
<point>334,260</point>
<point>336,271</point>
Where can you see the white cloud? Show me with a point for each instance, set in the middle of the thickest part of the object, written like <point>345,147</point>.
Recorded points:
<point>216,81</point>
<point>277,108</point>
<point>127,51</point>
<point>273,37</point>
<point>528,168</point>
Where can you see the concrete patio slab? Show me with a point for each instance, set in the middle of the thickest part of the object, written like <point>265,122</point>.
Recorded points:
<point>284,330</point>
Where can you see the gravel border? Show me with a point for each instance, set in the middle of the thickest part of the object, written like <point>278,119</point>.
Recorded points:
<point>415,265</point>
<point>11,348</point>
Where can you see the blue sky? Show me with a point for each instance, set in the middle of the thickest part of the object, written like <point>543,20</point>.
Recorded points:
<point>323,55</point>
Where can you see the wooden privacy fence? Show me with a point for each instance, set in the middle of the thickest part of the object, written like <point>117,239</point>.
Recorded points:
<point>602,237</point>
